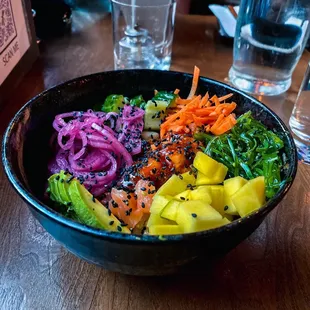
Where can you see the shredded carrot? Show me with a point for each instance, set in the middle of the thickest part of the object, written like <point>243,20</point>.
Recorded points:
<point>176,92</point>
<point>194,83</point>
<point>223,98</point>
<point>212,114</point>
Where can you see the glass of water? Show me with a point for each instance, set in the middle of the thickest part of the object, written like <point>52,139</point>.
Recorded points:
<point>300,119</point>
<point>143,33</point>
<point>269,40</point>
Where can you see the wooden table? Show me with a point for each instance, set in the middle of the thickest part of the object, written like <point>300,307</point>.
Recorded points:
<point>270,270</point>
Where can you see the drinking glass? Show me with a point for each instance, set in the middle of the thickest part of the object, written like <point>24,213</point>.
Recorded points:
<point>143,33</point>
<point>269,40</point>
<point>300,119</point>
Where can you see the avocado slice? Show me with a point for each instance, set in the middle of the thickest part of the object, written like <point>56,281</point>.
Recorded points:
<point>155,113</point>
<point>63,187</point>
<point>169,97</point>
<point>90,211</point>
<point>53,186</point>
<point>113,103</point>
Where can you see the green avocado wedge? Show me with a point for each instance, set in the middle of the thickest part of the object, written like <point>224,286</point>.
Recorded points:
<point>90,211</point>
<point>53,187</point>
<point>63,187</point>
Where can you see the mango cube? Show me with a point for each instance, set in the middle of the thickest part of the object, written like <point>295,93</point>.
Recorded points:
<point>189,178</point>
<point>173,186</point>
<point>196,215</point>
<point>183,196</point>
<point>231,186</point>
<point>158,203</point>
<point>165,230</point>
<point>156,219</point>
<point>169,212</point>
<point>250,197</point>
<point>201,193</point>
<point>209,170</point>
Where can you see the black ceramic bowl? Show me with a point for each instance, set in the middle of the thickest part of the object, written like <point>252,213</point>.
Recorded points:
<point>25,153</point>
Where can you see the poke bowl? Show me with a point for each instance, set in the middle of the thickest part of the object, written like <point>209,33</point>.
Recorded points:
<point>143,171</point>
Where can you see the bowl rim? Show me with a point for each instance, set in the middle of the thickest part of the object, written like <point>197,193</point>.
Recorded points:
<point>45,210</point>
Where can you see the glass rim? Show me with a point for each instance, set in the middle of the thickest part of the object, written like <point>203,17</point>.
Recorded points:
<point>143,6</point>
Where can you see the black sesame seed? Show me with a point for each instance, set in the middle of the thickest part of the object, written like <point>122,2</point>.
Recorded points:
<point>143,189</point>
<point>194,215</point>
<point>111,222</point>
<point>109,212</point>
<point>57,178</point>
<point>93,198</point>
<point>70,179</point>
<point>182,198</point>
<point>226,208</point>
<point>119,228</point>
<point>180,176</point>
<point>114,204</point>
<point>142,204</point>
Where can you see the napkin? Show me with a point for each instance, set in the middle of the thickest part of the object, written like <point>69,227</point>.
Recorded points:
<point>227,17</point>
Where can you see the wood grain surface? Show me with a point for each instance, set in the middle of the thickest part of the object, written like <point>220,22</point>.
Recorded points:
<point>270,270</point>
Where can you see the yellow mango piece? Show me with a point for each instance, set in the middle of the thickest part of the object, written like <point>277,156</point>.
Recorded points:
<point>231,186</point>
<point>217,196</point>
<point>156,219</point>
<point>169,212</point>
<point>205,164</point>
<point>158,203</point>
<point>173,186</point>
<point>250,197</point>
<point>196,215</point>
<point>189,178</point>
<point>216,179</point>
<point>209,170</point>
<point>201,193</point>
<point>165,230</point>
<point>183,196</point>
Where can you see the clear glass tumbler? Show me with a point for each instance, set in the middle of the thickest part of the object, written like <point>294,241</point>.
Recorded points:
<point>269,40</point>
<point>300,119</point>
<point>143,33</point>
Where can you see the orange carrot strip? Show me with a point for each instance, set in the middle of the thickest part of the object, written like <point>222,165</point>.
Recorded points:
<point>194,82</point>
<point>216,101</point>
<point>229,108</point>
<point>176,92</point>
<point>205,110</point>
<point>207,128</point>
<point>224,126</point>
<point>209,103</point>
<point>218,121</point>
<point>223,98</point>
<point>185,101</point>
<point>204,100</point>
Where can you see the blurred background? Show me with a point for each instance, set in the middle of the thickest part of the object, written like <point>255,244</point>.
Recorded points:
<point>53,17</point>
